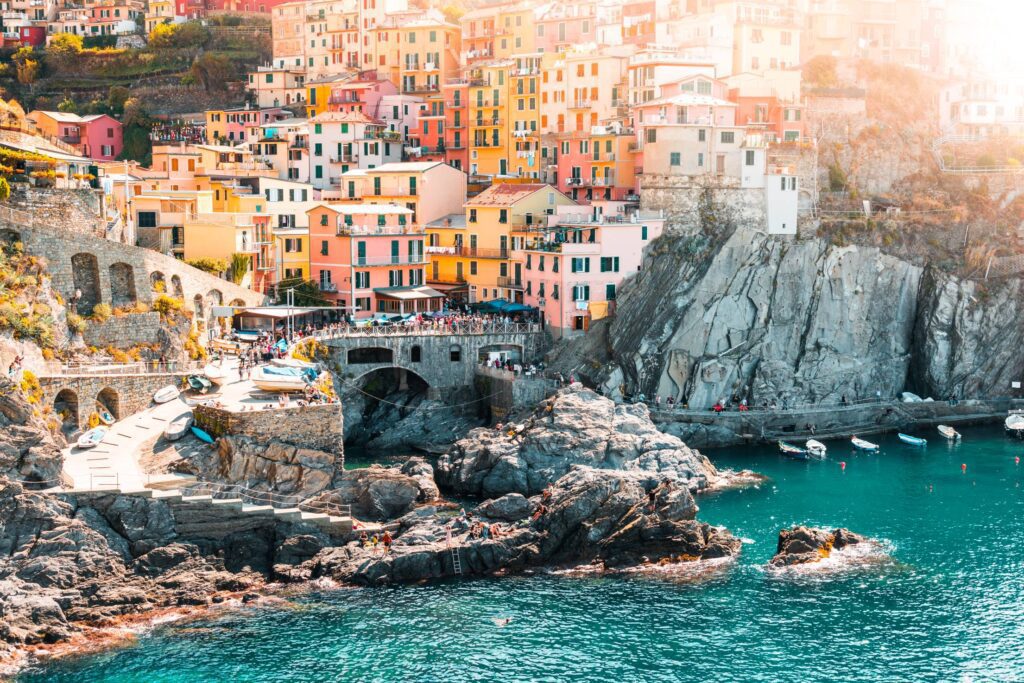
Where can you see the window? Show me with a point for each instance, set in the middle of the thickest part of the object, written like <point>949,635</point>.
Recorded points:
<point>503,216</point>
<point>472,215</point>
<point>652,135</point>
<point>472,267</point>
<point>323,247</point>
<point>318,128</point>
<point>609,264</point>
<point>728,137</point>
<point>318,149</point>
<point>701,135</point>
<point>455,353</point>
<point>643,232</point>
<point>147,219</point>
<point>581,265</point>
<point>323,219</point>
<point>581,293</point>
<point>362,279</point>
<point>415,353</point>
<point>749,160</point>
<point>700,158</point>
<point>674,159</point>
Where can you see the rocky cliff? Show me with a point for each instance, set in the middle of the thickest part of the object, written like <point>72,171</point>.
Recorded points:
<point>767,318</point>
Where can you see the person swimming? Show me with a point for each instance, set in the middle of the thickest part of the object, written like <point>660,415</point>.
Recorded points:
<point>502,622</point>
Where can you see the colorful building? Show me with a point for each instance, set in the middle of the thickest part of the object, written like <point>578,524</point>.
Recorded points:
<point>97,136</point>
<point>370,258</point>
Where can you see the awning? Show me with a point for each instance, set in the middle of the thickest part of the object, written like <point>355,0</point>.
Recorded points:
<point>443,287</point>
<point>408,293</point>
<point>275,311</point>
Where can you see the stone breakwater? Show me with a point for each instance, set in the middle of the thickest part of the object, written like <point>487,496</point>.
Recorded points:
<point>803,321</point>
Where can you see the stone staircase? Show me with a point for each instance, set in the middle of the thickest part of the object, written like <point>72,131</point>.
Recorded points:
<point>206,516</point>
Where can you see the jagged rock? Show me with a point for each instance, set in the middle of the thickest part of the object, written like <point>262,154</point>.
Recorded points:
<point>378,493</point>
<point>588,515</point>
<point>29,618</point>
<point>423,472</point>
<point>750,315</point>
<point>29,449</point>
<point>402,420</point>
<point>576,427</point>
<point>804,545</point>
<point>160,560</point>
<point>511,507</point>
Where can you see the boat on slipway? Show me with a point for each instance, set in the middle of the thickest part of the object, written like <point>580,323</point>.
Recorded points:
<point>178,427</point>
<point>92,438</point>
<point>912,440</point>
<point>275,378</point>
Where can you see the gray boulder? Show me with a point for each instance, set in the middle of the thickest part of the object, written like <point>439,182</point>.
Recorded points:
<point>511,507</point>
<point>806,545</point>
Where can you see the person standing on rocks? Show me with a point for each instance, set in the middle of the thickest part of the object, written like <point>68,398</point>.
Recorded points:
<point>386,540</point>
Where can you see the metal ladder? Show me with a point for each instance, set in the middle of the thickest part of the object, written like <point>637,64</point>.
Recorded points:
<point>456,561</point>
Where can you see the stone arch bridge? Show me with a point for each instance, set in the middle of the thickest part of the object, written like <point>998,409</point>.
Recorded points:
<point>446,359</point>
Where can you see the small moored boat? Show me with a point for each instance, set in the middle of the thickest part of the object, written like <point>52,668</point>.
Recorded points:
<point>949,432</point>
<point>215,374</point>
<point>178,427</point>
<point>202,434</point>
<point>1014,425</point>
<point>816,448</point>
<point>274,378</point>
<point>793,451</point>
<point>289,362</point>
<point>92,437</point>
<point>862,445</point>
<point>199,383</point>
<point>912,440</point>
<point>168,393</point>
<point>105,416</point>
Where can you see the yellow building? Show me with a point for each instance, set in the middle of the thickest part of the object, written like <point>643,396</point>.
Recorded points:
<point>292,246</point>
<point>488,98</point>
<point>514,31</point>
<point>475,254</point>
<point>158,12</point>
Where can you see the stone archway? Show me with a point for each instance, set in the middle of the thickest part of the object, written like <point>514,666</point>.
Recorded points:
<point>216,297</point>
<point>65,404</point>
<point>237,303</point>
<point>85,273</point>
<point>157,282</point>
<point>122,285</point>
<point>176,287</point>
<point>109,399</point>
<point>8,236</point>
<point>197,306</point>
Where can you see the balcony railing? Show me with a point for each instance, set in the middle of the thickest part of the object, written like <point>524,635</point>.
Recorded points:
<point>343,158</point>
<point>415,260</point>
<point>488,123</point>
<point>510,282</point>
<point>328,287</point>
<point>371,230</point>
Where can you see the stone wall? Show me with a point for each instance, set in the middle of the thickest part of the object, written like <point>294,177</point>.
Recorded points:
<point>112,273</point>
<point>437,365</point>
<point>123,395</point>
<point>507,393</point>
<point>77,211</point>
<point>124,331</point>
<point>318,427</point>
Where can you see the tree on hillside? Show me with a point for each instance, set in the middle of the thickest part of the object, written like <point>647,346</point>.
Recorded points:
<point>64,50</point>
<point>136,126</point>
<point>190,34</point>
<point>67,105</point>
<point>212,71</point>
<point>116,98</point>
<point>26,67</point>
<point>820,72</point>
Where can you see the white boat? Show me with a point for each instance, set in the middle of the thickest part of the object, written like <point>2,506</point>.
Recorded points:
<point>92,437</point>
<point>292,363</point>
<point>105,416</point>
<point>178,427</point>
<point>792,451</point>
<point>949,432</point>
<point>273,378</point>
<point>816,448</point>
<point>1015,425</point>
<point>862,445</point>
<point>215,374</point>
<point>168,393</point>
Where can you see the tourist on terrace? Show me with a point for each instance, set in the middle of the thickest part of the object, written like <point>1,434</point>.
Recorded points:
<point>718,407</point>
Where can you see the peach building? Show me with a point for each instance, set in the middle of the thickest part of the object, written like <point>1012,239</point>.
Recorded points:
<point>97,136</point>
<point>370,258</point>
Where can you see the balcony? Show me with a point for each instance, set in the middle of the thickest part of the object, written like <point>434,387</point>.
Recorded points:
<point>510,282</point>
<point>344,158</point>
<point>342,99</point>
<point>298,144</point>
<point>447,280</point>
<point>71,139</point>
<point>415,260</point>
<point>479,252</point>
<point>372,230</point>
<point>488,123</point>
<point>453,104</point>
<point>580,104</point>
<point>328,287</point>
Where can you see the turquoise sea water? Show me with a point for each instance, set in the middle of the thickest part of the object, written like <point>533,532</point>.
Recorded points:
<point>951,608</point>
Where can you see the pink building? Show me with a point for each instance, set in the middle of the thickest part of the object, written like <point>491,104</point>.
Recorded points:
<point>360,96</point>
<point>369,258</point>
<point>574,265</point>
<point>97,136</point>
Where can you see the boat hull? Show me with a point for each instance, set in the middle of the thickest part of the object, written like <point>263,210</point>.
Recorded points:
<point>949,433</point>
<point>178,427</point>
<point>862,445</point>
<point>91,438</point>
<point>279,385</point>
<point>215,375</point>
<point>201,434</point>
<point>912,440</point>
<point>168,393</point>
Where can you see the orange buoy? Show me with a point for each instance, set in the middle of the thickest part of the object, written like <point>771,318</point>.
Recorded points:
<point>1017,460</point>
<point>963,467</point>
<point>842,465</point>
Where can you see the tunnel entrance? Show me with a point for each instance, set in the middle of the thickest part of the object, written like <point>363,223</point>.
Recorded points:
<point>379,401</point>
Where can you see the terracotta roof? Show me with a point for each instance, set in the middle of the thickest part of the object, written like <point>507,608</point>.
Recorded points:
<point>506,194</point>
